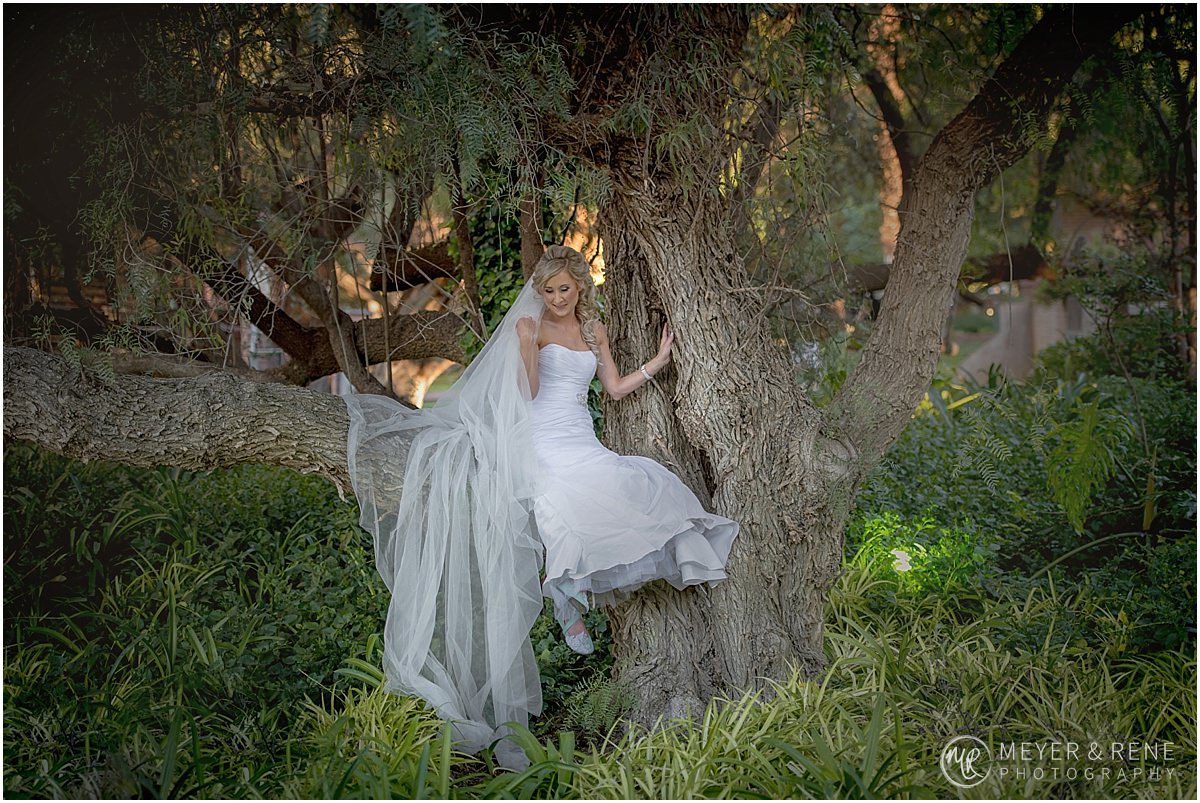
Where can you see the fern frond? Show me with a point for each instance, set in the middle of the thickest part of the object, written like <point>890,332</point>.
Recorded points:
<point>594,707</point>
<point>1084,457</point>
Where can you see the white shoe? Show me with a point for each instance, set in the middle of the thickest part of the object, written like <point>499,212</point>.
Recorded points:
<point>580,642</point>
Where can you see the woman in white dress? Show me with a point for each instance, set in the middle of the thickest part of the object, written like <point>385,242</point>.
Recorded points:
<point>609,523</point>
<point>466,497</point>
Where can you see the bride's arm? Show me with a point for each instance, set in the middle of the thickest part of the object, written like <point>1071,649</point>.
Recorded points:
<point>615,384</point>
<point>526,331</point>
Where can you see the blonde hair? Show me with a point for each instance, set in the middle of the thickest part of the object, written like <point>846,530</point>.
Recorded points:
<point>560,258</point>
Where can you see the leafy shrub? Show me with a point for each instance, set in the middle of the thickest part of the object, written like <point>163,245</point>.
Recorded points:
<point>214,607</point>
<point>901,682</point>
<point>167,681</point>
<point>919,555</point>
<point>1141,344</point>
<point>1154,587</point>
<point>1025,461</point>
<point>1125,289</point>
<point>184,618</point>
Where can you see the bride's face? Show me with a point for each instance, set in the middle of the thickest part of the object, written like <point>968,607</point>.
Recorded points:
<point>561,294</point>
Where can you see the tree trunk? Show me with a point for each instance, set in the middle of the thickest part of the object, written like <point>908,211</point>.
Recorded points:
<point>728,420</point>
<point>895,157</point>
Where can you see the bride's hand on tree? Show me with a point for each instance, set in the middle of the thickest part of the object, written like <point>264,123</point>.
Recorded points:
<point>664,349</point>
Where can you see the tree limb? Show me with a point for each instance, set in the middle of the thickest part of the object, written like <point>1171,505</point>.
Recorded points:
<point>213,421</point>
<point>170,366</point>
<point>284,332</point>
<point>989,135</point>
<point>897,128</point>
<point>466,258</point>
<point>400,269</point>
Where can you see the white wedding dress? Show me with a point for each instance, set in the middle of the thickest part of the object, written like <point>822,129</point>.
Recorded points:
<point>610,523</point>
<point>464,497</point>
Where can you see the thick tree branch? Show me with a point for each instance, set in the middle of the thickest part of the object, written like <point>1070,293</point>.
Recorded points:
<point>1023,262</point>
<point>284,332</point>
<point>169,366</point>
<point>409,337</point>
<point>532,227</point>
<point>466,261</point>
<point>339,217</point>
<point>417,336</point>
<point>531,235</point>
<point>213,421</point>
<point>340,328</point>
<point>400,269</point>
<point>878,398</point>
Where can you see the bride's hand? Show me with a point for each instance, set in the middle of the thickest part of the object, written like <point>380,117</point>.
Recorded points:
<point>664,347</point>
<point>525,330</point>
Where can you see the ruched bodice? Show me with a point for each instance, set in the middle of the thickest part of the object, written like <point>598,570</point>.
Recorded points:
<point>562,424</point>
<point>563,378</point>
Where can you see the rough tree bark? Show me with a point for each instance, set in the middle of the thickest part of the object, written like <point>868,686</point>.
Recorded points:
<point>214,421</point>
<point>746,440</point>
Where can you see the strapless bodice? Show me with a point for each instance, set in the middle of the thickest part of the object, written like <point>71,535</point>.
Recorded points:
<point>563,376</point>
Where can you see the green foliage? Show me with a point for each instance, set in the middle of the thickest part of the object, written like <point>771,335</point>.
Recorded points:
<point>370,744</point>
<point>595,706</point>
<point>1069,435</point>
<point>1084,455</point>
<point>196,611</point>
<point>1141,344</point>
<point>222,611</point>
<point>168,675</point>
<point>1155,584</point>
<point>1136,111</point>
<point>918,555</point>
<point>976,322</point>
<point>549,776</point>
<point>1125,291</point>
<point>496,240</point>
<point>906,675</point>
<point>1043,476</point>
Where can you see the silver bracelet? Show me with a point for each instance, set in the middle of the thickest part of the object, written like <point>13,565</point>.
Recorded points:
<point>645,374</point>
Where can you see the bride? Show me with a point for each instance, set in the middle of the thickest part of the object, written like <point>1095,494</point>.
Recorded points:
<point>464,498</point>
<point>609,523</point>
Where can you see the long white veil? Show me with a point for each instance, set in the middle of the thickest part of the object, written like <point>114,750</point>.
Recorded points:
<point>446,491</point>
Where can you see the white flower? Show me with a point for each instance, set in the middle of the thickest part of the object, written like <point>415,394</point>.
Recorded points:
<point>901,563</point>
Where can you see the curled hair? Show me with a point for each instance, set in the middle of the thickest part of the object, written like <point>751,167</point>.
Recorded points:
<point>560,258</point>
